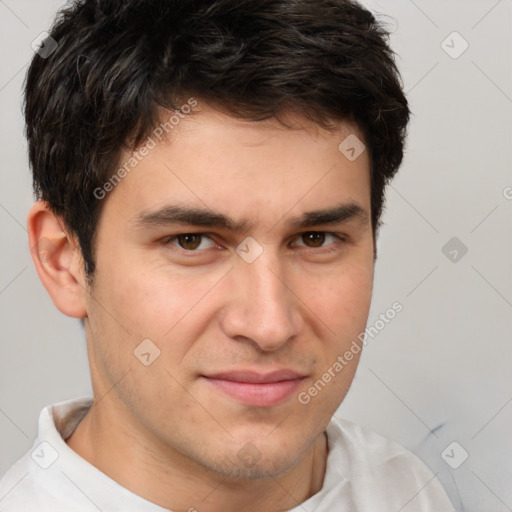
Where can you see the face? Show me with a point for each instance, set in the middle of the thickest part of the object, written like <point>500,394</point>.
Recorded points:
<point>209,252</point>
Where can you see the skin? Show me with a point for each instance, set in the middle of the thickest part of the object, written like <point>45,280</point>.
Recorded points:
<point>164,431</point>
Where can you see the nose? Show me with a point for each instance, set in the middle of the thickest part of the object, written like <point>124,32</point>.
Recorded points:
<point>263,308</point>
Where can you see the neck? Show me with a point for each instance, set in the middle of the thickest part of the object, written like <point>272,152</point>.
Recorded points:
<point>164,476</point>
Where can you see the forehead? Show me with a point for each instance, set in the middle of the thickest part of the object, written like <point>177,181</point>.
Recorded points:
<point>245,169</point>
<point>205,122</point>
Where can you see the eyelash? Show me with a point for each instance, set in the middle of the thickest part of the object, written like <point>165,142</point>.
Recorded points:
<point>341,239</point>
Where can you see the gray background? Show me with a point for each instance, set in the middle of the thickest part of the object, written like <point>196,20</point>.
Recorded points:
<point>440,371</point>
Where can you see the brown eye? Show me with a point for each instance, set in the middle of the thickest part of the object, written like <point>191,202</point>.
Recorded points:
<point>189,242</point>
<point>314,239</point>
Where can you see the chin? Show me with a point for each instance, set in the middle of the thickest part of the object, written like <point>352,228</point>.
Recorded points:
<point>262,469</point>
<point>246,462</point>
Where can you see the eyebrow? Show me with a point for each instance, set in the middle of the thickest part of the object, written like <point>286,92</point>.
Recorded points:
<point>194,216</point>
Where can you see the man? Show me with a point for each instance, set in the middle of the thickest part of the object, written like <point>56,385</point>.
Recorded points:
<point>210,177</point>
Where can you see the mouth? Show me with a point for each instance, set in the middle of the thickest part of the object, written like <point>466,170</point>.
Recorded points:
<point>257,389</point>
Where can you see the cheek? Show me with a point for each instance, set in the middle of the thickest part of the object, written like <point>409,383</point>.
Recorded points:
<point>170,307</point>
<point>148,302</point>
<point>342,300</point>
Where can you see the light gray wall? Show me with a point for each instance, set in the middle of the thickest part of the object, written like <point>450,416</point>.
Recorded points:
<point>439,372</point>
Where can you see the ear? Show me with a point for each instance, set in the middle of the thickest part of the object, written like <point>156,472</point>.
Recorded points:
<point>58,260</point>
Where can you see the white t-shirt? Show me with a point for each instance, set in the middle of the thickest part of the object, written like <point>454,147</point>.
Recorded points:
<point>365,473</point>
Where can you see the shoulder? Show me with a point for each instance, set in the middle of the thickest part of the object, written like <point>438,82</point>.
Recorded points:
<point>39,476</point>
<point>368,445</point>
<point>51,477</point>
<point>370,461</point>
<point>23,486</point>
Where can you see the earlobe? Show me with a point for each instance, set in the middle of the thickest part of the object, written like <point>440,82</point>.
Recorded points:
<point>57,259</point>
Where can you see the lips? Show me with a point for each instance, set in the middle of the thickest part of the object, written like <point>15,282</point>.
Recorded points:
<point>257,389</point>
